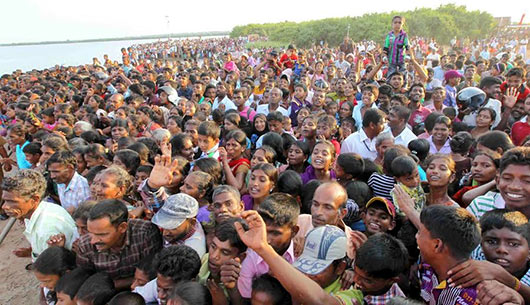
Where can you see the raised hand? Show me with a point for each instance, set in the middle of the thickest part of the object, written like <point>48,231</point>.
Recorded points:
<point>256,235</point>
<point>511,96</point>
<point>162,173</point>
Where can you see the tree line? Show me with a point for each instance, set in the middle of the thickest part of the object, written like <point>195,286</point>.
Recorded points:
<point>443,23</point>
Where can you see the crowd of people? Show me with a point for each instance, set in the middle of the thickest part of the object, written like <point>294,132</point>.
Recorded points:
<point>200,172</point>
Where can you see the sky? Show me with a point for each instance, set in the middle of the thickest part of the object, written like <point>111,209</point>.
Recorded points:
<point>38,20</point>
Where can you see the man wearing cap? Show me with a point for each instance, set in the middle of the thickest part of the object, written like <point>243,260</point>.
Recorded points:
<point>379,216</point>
<point>328,208</point>
<point>324,257</point>
<point>177,220</point>
<point>452,78</point>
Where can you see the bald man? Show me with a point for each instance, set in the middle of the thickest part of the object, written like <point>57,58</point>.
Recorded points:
<point>328,208</point>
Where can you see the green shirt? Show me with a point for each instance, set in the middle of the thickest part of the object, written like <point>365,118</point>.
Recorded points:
<point>204,274</point>
<point>349,297</point>
<point>333,287</point>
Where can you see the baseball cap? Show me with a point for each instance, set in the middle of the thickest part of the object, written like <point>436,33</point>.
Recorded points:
<point>390,208</point>
<point>323,245</point>
<point>175,211</point>
<point>172,94</point>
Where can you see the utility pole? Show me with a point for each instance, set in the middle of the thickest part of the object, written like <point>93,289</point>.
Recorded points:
<point>348,34</point>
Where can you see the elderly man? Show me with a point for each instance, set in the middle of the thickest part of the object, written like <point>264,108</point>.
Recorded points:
<point>226,203</point>
<point>22,194</point>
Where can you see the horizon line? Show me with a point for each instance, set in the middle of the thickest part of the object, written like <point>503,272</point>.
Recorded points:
<point>142,37</point>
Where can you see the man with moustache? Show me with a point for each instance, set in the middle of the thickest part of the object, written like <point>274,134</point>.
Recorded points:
<point>115,244</point>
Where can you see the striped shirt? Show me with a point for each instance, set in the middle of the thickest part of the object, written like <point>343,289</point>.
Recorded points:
<point>485,203</point>
<point>439,293</point>
<point>394,45</point>
<point>382,185</point>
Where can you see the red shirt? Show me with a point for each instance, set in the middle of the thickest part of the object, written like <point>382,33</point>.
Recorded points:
<point>285,60</point>
<point>520,130</point>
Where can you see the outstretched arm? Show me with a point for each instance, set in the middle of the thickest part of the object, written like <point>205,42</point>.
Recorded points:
<point>301,288</point>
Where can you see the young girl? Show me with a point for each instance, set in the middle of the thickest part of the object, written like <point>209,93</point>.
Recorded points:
<point>481,177</point>
<point>327,130</point>
<point>48,118</point>
<point>439,139</point>
<point>318,74</point>
<point>485,119</point>
<point>259,128</point>
<point>309,131</point>
<point>49,267</point>
<point>322,158</point>
<point>346,110</point>
<point>231,122</point>
<point>302,114</point>
<point>235,167</point>
<point>263,178</point>
<point>174,124</point>
<point>297,156</point>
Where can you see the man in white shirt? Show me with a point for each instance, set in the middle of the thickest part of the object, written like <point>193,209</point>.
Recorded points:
<point>362,142</point>
<point>274,103</point>
<point>22,194</point>
<point>177,219</point>
<point>222,98</point>
<point>397,125</point>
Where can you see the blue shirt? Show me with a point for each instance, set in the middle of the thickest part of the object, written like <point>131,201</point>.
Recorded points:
<point>21,157</point>
<point>450,96</point>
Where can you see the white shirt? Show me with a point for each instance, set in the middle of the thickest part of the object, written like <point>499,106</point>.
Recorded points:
<point>47,220</point>
<point>225,101</point>
<point>197,241</point>
<point>404,137</point>
<point>360,144</point>
<point>265,110</point>
<point>149,292</point>
<point>357,116</point>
